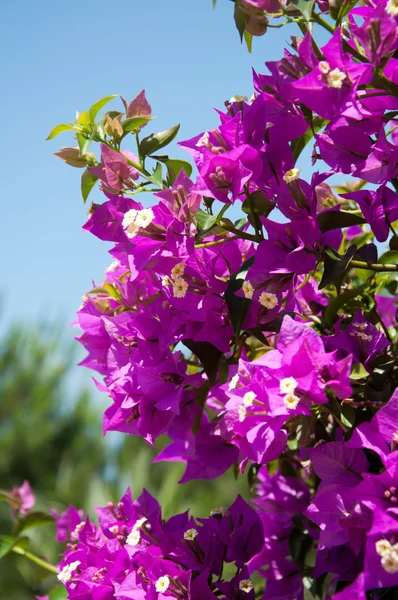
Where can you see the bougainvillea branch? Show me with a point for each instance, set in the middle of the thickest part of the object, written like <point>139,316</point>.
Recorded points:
<point>267,344</point>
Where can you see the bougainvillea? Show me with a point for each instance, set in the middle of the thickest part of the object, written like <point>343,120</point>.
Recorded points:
<point>266,342</point>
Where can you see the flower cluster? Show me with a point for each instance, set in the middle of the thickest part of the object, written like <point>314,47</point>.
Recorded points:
<point>268,342</point>
<point>134,553</point>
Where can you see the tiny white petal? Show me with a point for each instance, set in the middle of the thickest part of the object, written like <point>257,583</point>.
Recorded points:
<point>291,175</point>
<point>162,583</point>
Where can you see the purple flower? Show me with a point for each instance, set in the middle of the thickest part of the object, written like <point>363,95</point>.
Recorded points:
<point>21,499</point>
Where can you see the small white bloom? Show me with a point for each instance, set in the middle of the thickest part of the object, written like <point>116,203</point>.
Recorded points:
<point>114,529</point>
<point>217,511</point>
<point>140,522</point>
<point>245,585</point>
<point>389,562</point>
<point>291,401</point>
<point>144,217</point>
<point>291,175</point>
<point>178,270</point>
<point>234,382</point>
<point>166,281</point>
<point>112,267</point>
<point>392,8</point>
<point>249,398</point>
<point>248,289</point>
<point>134,537</point>
<point>242,412</point>
<point>360,326</point>
<point>129,224</point>
<point>324,67</point>
<point>180,287</point>
<point>162,583</point>
<point>287,385</point>
<point>66,574</point>
<point>75,533</point>
<point>238,98</point>
<point>268,300</point>
<point>382,547</point>
<point>335,79</point>
<point>190,534</point>
<point>204,140</point>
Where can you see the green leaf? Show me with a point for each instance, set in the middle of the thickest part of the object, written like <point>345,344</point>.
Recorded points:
<point>83,118</point>
<point>241,19</point>
<point>157,177</point>
<point>330,314</point>
<point>335,267</point>
<point>300,143</point>
<point>152,143</point>
<point>8,542</point>
<point>208,355</point>
<point>60,129</point>
<point>88,181</point>
<point>96,107</point>
<point>84,143</point>
<point>238,306</point>
<point>134,123</point>
<point>248,39</point>
<point>256,202</point>
<point>204,220</point>
<point>336,219</point>
<point>174,167</point>
<point>58,593</point>
<point>305,7</point>
<point>389,257</point>
<point>34,519</point>
<point>358,371</point>
<point>347,415</point>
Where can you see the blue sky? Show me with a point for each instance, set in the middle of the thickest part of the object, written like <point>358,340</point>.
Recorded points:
<point>59,57</point>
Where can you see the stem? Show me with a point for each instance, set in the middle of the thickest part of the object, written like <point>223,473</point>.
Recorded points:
<point>36,559</point>
<point>242,234</point>
<point>378,267</point>
<point>321,21</point>
<point>216,242</point>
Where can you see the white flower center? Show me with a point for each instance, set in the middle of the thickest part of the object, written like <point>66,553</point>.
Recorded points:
<point>392,8</point>
<point>134,219</point>
<point>190,534</point>
<point>112,267</point>
<point>217,511</point>
<point>245,585</point>
<point>249,398</point>
<point>291,401</point>
<point>178,270</point>
<point>268,300</point>
<point>389,560</point>
<point>180,287</point>
<point>238,98</point>
<point>324,67</point>
<point>75,534</point>
<point>134,536</point>
<point>287,385</point>
<point>335,79</point>
<point>162,583</point>
<point>144,217</point>
<point>204,140</point>
<point>242,412</point>
<point>234,382</point>
<point>66,574</point>
<point>248,289</point>
<point>291,175</point>
<point>383,547</point>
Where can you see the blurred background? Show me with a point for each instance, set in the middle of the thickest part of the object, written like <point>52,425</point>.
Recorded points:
<point>59,57</point>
